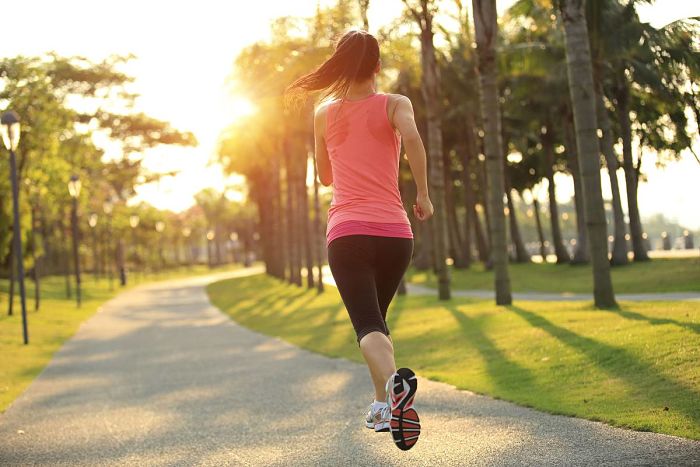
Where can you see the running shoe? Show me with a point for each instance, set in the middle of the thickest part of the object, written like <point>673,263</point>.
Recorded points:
<point>378,418</point>
<point>405,424</point>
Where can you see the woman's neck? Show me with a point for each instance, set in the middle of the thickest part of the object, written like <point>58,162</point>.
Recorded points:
<point>359,90</point>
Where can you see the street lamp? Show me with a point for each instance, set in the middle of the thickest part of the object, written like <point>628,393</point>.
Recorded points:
<point>134,222</point>
<point>108,207</point>
<point>160,227</point>
<point>9,127</point>
<point>92,222</point>
<point>74,191</point>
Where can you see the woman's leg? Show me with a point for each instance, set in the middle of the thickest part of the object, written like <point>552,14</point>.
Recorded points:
<point>378,351</point>
<point>351,260</point>
<point>393,255</point>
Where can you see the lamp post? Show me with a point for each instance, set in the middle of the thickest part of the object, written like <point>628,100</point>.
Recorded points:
<point>9,127</point>
<point>134,222</point>
<point>108,207</point>
<point>160,227</point>
<point>92,222</point>
<point>210,237</point>
<point>74,190</point>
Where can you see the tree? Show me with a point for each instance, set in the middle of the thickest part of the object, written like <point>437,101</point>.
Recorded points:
<point>582,91</point>
<point>423,14</point>
<point>486,30</point>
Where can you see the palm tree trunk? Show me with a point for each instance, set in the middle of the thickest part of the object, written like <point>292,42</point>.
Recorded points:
<point>636,230</point>
<point>456,244</point>
<point>619,250</point>
<point>467,153</point>
<point>486,30</point>
<point>521,254</point>
<point>318,236</point>
<point>540,233</point>
<point>582,90</point>
<point>581,255</point>
<point>430,88</point>
<point>305,221</point>
<point>548,148</point>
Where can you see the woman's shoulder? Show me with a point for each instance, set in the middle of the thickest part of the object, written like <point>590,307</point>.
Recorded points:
<point>322,107</point>
<point>396,98</point>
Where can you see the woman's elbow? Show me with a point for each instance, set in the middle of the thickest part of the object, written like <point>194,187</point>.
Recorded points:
<point>326,180</point>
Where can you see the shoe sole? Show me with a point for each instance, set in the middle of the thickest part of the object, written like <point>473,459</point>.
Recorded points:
<point>405,423</point>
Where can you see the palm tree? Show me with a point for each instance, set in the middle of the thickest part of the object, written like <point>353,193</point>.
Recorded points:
<point>582,90</point>
<point>486,31</point>
<point>423,15</point>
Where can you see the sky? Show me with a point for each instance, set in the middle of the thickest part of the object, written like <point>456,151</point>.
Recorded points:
<point>185,53</point>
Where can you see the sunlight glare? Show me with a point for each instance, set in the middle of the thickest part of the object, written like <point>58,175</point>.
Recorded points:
<point>241,107</point>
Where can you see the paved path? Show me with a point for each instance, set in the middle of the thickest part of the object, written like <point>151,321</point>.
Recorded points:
<point>416,289</point>
<point>160,377</point>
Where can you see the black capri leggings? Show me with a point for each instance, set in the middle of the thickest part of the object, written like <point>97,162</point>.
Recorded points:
<point>367,270</point>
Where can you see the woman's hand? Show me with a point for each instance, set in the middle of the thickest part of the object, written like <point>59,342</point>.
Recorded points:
<point>423,209</point>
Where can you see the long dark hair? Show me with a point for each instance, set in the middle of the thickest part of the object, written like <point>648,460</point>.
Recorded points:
<point>355,59</point>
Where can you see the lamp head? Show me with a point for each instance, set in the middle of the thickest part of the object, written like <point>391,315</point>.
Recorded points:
<point>74,186</point>
<point>9,127</point>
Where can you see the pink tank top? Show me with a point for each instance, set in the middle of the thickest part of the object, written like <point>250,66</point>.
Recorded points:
<point>363,149</point>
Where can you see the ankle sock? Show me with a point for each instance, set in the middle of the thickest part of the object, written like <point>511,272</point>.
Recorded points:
<point>378,404</point>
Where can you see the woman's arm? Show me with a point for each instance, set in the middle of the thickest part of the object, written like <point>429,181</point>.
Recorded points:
<point>404,121</point>
<point>323,163</point>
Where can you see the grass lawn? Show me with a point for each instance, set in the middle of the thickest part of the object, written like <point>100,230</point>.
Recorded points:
<point>635,367</point>
<point>56,321</point>
<point>658,275</point>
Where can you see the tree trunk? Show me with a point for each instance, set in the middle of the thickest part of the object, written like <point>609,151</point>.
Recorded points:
<point>521,254</point>
<point>431,94</point>
<point>540,233</point>
<point>305,221</point>
<point>581,255</point>
<point>467,182</point>
<point>619,250</point>
<point>582,91</point>
<point>548,148</point>
<point>486,30</point>
<point>37,274</point>
<point>318,236</point>
<point>456,248</point>
<point>636,230</point>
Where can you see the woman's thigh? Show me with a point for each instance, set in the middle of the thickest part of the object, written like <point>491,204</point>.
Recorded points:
<point>391,262</point>
<point>350,259</point>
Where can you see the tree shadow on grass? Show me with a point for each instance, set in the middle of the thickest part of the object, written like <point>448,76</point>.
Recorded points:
<point>633,315</point>
<point>620,363</point>
<point>502,370</point>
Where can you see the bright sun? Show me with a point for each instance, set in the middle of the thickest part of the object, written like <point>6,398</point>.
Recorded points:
<point>240,107</point>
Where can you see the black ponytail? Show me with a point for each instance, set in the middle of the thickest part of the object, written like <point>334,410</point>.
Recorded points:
<point>355,58</point>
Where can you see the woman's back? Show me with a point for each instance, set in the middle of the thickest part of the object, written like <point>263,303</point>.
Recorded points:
<point>363,149</point>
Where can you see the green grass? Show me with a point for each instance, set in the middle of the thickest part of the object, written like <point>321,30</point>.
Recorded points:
<point>57,320</point>
<point>658,275</point>
<point>635,367</point>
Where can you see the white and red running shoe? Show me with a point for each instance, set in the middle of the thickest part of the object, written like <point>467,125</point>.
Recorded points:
<point>405,424</point>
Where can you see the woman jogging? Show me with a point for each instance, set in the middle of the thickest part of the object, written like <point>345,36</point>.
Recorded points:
<point>370,243</point>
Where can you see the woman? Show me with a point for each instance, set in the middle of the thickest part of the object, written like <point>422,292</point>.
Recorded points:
<point>369,238</point>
